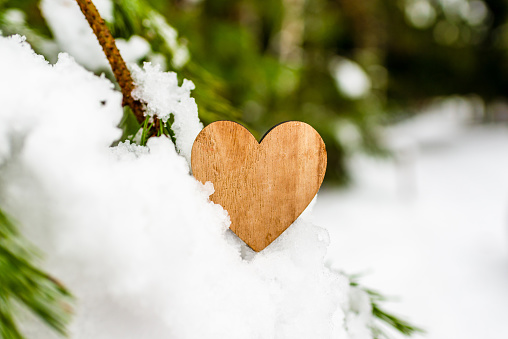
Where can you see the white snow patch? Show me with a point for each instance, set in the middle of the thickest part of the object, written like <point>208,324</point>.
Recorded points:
<point>162,97</point>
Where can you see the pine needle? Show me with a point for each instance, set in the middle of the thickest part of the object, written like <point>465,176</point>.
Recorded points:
<point>383,316</point>
<point>21,282</point>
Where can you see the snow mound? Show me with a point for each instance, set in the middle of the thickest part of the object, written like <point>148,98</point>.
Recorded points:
<point>134,235</point>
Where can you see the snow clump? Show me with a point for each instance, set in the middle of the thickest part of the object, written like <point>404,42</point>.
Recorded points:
<point>134,236</point>
<point>162,96</point>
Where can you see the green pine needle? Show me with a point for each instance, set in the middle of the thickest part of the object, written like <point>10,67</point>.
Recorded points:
<point>400,325</point>
<point>381,315</point>
<point>21,283</point>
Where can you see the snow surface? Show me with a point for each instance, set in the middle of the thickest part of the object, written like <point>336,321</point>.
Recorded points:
<point>430,228</point>
<point>134,235</point>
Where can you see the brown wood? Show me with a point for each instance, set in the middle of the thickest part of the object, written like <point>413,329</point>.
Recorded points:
<point>264,186</point>
<point>118,66</point>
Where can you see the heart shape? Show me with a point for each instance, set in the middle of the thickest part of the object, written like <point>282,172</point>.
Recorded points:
<point>264,186</point>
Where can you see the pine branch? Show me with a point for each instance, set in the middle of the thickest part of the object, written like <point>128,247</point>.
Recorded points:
<point>22,283</point>
<point>120,70</point>
<point>400,325</point>
<point>391,320</point>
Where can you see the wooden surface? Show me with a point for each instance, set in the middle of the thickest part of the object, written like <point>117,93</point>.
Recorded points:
<point>263,186</point>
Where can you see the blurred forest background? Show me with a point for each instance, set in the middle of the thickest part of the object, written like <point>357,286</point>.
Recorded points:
<point>345,67</point>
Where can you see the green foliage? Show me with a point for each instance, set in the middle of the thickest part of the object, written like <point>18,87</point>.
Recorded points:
<point>270,81</point>
<point>139,17</point>
<point>22,283</point>
<point>382,316</point>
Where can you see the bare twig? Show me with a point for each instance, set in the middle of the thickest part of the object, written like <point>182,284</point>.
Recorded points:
<point>120,70</point>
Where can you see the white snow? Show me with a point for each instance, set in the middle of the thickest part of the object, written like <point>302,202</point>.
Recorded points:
<point>162,96</point>
<point>133,234</point>
<point>431,228</point>
<point>134,49</point>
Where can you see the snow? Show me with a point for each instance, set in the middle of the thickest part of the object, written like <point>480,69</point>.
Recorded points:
<point>162,96</point>
<point>134,49</point>
<point>134,235</point>
<point>430,229</point>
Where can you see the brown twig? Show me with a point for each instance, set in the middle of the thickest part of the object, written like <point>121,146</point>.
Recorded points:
<point>120,70</point>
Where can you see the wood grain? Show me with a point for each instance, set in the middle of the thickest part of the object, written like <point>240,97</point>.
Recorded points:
<point>264,186</point>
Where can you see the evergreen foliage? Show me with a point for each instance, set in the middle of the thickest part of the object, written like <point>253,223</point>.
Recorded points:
<point>381,316</point>
<point>23,283</point>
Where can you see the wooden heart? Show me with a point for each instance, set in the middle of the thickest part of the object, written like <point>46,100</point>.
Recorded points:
<point>264,186</point>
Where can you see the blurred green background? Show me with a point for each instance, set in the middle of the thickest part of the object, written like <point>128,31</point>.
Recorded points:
<point>345,67</point>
